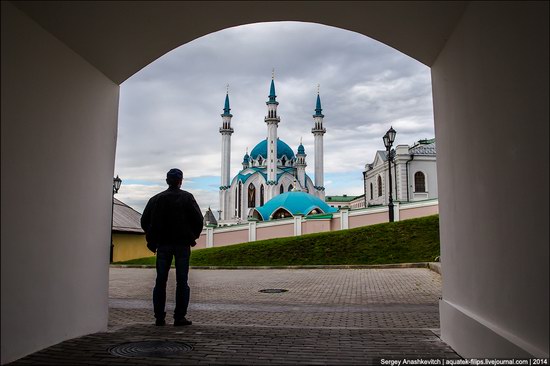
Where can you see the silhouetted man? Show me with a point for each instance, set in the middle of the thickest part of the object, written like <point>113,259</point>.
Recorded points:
<point>172,221</point>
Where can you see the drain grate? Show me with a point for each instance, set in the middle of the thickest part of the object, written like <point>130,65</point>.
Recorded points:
<point>273,290</point>
<point>150,349</point>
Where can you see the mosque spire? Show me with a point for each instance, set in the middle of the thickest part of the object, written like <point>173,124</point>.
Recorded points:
<point>272,95</point>
<point>246,160</point>
<point>226,108</point>
<point>318,108</point>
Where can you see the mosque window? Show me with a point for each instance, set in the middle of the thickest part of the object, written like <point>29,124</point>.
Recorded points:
<point>262,195</point>
<point>283,161</point>
<point>260,160</point>
<point>290,188</point>
<point>419,182</point>
<point>281,214</point>
<point>282,189</point>
<point>379,186</point>
<point>251,196</point>
<point>239,199</point>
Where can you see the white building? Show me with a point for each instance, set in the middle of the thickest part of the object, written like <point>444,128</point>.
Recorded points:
<point>414,174</point>
<point>343,201</point>
<point>271,169</point>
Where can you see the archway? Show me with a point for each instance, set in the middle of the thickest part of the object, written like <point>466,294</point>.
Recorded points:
<point>489,69</point>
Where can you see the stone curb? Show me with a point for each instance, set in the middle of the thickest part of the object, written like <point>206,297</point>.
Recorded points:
<point>434,266</point>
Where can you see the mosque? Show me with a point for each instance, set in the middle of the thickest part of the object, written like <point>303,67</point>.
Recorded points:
<point>272,182</point>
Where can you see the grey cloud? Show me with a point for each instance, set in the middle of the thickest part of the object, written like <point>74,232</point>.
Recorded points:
<point>170,111</point>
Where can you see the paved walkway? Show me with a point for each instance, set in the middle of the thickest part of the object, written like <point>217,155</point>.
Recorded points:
<point>327,317</point>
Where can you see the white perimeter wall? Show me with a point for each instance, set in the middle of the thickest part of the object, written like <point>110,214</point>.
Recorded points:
<point>59,120</point>
<point>490,86</point>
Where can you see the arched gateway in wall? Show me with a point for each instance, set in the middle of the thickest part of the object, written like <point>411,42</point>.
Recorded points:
<point>489,64</point>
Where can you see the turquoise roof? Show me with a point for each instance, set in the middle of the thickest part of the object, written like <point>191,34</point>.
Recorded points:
<point>282,149</point>
<point>226,108</point>
<point>318,108</point>
<point>272,95</point>
<point>295,203</point>
<point>301,149</point>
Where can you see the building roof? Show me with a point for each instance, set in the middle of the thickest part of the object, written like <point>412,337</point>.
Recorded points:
<point>125,218</point>
<point>282,149</point>
<point>294,203</point>
<point>209,218</point>
<point>343,198</point>
<point>423,147</point>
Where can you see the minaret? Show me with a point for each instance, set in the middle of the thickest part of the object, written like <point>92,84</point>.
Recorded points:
<point>246,160</point>
<point>318,131</point>
<point>301,166</point>
<point>272,123</point>
<point>226,132</point>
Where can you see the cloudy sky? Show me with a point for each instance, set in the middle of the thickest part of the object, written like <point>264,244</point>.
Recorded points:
<point>170,111</point>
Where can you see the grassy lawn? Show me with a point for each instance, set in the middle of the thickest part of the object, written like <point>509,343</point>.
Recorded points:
<point>415,240</point>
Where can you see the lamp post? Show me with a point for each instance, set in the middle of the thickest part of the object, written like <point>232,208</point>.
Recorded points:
<point>116,186</point>
<point>389,138</point>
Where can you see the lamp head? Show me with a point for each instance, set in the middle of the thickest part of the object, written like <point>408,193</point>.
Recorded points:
<point>386,141</point>
<point>391,135</point>
<point>116,184</point>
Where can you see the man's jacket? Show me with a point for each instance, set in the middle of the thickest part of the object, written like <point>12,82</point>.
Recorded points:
<point>172,217</point>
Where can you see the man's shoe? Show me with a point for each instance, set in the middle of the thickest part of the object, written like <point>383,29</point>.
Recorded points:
<point>182,322</point>
<point>160,322</point>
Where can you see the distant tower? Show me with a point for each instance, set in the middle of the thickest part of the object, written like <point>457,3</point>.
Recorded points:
<point>318,131</point>
<point>301,167</point>
<point>272,123</point>
<point>246,160</point>
<point>226,132</point>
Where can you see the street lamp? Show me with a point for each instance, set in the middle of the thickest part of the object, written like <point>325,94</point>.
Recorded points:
<point>116,186</point>
<point>389,138</point>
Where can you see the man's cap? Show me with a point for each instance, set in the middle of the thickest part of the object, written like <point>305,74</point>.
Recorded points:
<point>174,174</point>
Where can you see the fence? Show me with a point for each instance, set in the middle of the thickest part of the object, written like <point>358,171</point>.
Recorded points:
<point>301,225</point>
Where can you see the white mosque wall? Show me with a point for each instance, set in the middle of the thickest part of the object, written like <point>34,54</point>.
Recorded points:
<point>222,236</point>
<point>257,180</point>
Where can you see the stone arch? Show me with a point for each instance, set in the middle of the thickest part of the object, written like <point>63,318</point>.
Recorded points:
<point>461,41</point>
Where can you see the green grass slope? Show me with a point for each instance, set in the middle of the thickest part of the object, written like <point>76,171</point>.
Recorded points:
<point>408,241</point>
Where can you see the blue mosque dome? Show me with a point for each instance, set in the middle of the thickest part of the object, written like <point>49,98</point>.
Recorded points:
<point>282,149</point>
<point>292,203</point>
<point>301,149</point>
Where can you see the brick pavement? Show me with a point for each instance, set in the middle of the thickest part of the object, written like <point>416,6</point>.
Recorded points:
<point>328,316</point>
